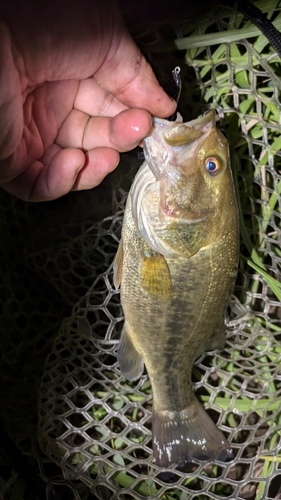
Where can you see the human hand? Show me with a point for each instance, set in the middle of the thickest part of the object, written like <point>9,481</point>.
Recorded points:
<point>74,92</point>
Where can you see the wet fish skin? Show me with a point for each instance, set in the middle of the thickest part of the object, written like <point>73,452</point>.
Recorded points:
<point>176,263</point>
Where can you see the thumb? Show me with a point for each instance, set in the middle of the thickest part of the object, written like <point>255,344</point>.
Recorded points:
<point>127,75</point>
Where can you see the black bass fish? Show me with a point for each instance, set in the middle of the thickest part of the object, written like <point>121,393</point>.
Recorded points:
<point>176,264</point>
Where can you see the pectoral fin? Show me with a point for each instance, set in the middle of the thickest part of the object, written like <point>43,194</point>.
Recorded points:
<point>130,361</point>
<point>155,275</point>
<point>118,265</point>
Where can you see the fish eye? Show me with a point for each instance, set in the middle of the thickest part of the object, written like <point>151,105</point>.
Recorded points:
<point>212,164</point>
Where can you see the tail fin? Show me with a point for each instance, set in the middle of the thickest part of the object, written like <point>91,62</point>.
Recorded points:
<point>180,437</point>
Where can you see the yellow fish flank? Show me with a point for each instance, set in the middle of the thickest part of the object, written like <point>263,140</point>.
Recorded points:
<point>176,265</point>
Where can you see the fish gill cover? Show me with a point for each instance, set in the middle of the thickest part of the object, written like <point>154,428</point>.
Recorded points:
<point>95,426</point>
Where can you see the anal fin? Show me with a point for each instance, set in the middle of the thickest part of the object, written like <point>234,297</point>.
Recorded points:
<point>180,437</point>
<point>130,361</point>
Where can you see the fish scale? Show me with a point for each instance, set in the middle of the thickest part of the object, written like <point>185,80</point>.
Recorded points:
<point>176,269</point>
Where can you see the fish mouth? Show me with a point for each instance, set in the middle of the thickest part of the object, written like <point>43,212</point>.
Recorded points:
<point>169,143</point>
<point>188,132</point>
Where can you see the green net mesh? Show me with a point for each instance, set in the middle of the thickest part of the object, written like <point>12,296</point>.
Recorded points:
<point>58,299</point>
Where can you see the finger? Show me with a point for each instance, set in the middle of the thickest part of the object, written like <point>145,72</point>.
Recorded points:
<point>122,132</point>
<point>43,182</point>
<point>99,163</point>
<point>96,101</point>
<point>69,169</point>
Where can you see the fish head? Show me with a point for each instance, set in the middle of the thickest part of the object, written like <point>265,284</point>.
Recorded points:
<point>191,165</point>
